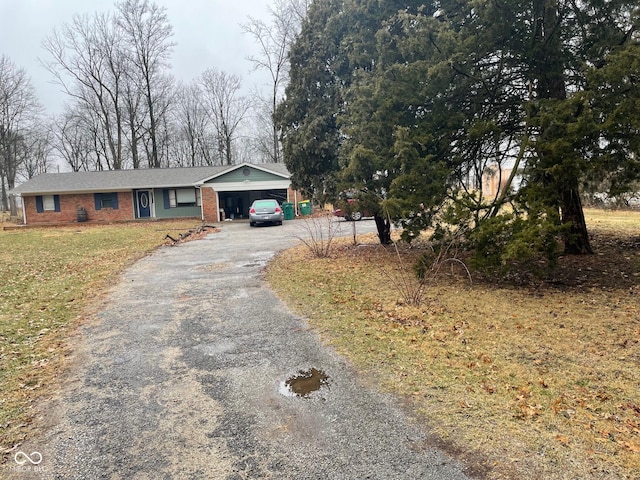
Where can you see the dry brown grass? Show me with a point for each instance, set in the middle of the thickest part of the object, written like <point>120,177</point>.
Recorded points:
<point>50,277</point>
<point>538,381</point>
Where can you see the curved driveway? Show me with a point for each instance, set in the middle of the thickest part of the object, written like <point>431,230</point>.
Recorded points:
<point>180,375</point>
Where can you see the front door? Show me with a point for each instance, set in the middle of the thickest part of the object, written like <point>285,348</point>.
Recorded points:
<point>143,198</point>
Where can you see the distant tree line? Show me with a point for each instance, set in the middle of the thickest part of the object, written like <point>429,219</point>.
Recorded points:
<point>24,139</point>
<point>125,109</point>
<point>116,70</point>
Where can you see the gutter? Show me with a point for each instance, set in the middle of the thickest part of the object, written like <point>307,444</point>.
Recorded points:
<point>24,211</point>
<point>199,187</point>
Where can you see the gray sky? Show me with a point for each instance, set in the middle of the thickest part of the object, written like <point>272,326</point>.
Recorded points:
<point>207,33</point>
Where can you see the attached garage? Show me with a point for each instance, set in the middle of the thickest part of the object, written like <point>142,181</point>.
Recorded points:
<point>238,188</point>
<point>235,205</point>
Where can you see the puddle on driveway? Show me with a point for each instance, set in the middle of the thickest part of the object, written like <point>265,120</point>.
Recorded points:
<point>304,383</point>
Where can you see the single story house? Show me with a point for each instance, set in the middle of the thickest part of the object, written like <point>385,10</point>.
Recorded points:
<point>210,193</point>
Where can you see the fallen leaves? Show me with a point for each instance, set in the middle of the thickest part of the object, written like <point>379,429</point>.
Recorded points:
<point>631,446</point>
<point>555,365</point>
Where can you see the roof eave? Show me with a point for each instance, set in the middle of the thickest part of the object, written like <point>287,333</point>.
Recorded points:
<point>83,191</point>
<point>242,165</point>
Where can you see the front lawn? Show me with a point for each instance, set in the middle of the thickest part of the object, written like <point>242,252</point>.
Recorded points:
<point>540,380</point>
<point>50,279</point>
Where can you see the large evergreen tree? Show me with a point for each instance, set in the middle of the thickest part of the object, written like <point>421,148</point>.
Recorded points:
<point>426,100</point>
<point>515,92</point>
<point>307,115</point>
<point>336,45</point>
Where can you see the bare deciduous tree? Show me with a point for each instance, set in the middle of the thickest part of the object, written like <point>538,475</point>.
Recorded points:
<point>114,69</point>
<point>274,40</point>
<point>134,119</point>
<point>226,109</point>
<point>19,111</point>
<point>147,32</point>
<point>86,62</point>
<point>38,145</point>
<point>72,141</point>
<point>192,128</point>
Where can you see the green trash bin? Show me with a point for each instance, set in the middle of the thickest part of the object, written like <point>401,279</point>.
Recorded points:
<point>289,211</point>
<point>305,207</point>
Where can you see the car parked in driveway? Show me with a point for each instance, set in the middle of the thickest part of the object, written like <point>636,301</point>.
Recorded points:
<point>265,211</point>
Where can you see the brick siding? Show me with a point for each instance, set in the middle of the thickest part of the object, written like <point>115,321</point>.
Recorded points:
<point>69,205</point>
<point>209,204</point>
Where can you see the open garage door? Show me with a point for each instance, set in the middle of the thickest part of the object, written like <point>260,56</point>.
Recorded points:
<point>235,205</point>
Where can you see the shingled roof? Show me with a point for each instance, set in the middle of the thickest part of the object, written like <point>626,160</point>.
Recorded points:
<point>124,180</point>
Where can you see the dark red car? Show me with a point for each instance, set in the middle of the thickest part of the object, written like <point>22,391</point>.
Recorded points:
<point>351,212</point>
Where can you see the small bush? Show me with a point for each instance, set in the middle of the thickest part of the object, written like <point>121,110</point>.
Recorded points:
<point>318,234</point>
<point>412,282</point>
<point>506,242</point>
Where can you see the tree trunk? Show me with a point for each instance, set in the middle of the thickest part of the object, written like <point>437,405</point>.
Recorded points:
<point>576,240</point>
<point>3,195</point>
<point>384,229</point>
<point>154,161</point>
<point>551,85</point>
<point>13,208</point>
<point>274,126</point>
<point>135,157</point>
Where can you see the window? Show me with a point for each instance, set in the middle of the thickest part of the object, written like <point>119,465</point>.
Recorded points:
<point>182,197</point>
<point>47,203</point>
<point>106,200</point>
<point>186,196</point>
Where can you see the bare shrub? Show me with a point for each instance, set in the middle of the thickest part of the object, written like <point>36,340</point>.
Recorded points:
<point>413,281</point>
<point>318,233</point>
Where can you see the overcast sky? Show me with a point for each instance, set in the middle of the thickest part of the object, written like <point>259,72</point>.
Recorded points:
<point>207,33</point>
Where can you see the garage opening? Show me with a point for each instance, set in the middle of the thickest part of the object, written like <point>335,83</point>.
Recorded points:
<point>236,204</point>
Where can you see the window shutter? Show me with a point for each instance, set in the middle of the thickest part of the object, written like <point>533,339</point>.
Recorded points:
<point>97,197</point>
<point>115,200</point>
<point>165,194</point>
<point>56,202</point>
<point>39,206</point>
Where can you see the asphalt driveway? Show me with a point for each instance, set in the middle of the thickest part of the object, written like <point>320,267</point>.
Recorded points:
<point>193,369</point>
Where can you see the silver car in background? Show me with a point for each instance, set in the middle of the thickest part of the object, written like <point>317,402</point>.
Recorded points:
<point>265,211</point>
